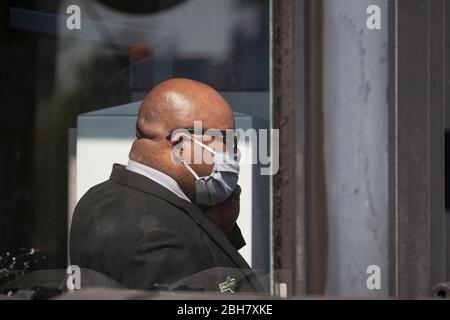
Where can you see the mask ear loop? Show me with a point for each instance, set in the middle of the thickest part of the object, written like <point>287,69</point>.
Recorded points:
<point>190,170</point>
<point>201,144</point>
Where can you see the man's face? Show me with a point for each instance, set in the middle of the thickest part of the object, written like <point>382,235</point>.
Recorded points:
<point>198,149</point>
<point>189,146</point>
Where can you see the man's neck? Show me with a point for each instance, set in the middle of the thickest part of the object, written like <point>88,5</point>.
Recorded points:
<point>158,176</point>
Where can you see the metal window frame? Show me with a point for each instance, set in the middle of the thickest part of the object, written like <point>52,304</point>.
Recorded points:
<point>417,151</point>
<point>285,221</point>
<point>417,95</point>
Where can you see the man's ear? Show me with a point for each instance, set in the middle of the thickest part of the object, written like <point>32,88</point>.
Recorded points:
<point>177,149</point>
<point>177,138</point>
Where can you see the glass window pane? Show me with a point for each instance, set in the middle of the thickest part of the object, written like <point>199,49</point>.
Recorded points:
<point>71,93</point>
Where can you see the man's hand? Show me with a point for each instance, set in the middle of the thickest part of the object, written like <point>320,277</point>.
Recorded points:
<point>225,214</point>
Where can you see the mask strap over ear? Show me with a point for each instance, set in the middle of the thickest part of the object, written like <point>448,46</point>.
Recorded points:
<point>201,144</point>
<point>190,170</point>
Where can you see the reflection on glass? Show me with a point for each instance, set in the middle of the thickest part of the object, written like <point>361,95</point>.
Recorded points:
<point>55,75</point>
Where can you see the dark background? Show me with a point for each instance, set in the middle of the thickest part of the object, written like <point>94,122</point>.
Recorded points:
<point>35,118</point>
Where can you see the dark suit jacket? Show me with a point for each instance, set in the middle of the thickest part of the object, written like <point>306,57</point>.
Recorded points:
<point>141,234</point>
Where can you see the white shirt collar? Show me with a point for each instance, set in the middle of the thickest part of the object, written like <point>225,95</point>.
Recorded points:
<point>157,176</point>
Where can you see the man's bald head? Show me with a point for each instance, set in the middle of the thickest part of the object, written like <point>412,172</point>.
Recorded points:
<point>177,104</point>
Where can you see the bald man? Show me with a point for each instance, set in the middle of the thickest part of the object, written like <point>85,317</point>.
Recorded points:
<point>164,220</point>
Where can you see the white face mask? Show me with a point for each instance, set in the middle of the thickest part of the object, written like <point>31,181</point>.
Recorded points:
<point>220,184</point>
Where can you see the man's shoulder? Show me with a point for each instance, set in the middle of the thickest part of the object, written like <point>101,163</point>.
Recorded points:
<point>116,201</point>
<point>102,194</point>
<point>116,191</point>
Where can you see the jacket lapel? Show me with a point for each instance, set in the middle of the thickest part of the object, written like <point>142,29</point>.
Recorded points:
<point>126,177</point>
